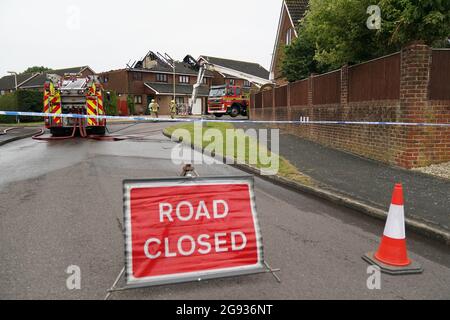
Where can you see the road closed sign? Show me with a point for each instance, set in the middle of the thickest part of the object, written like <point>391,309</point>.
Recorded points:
<point>188,229</point>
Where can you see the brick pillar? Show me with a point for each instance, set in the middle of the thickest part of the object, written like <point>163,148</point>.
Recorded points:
<point>310,89</point>
<point>288,99</point>
<point>344,86</point>
<point>274,117</point>
<point>414,84</point>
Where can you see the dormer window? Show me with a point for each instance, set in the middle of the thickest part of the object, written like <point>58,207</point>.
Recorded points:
<point>289,37</point>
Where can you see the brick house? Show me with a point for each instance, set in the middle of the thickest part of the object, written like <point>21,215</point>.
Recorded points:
<point>35,81</point>
<point>292,11</point>
<point>242,66</point>
<point>153,78</point>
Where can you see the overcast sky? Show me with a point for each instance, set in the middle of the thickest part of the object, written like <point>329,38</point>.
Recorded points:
<point>108,34</point>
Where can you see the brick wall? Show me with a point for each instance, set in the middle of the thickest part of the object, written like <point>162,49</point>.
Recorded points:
<point>409,76</point>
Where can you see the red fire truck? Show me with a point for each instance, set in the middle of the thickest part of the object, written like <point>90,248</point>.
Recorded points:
<point>222,100</point>
<point>76,95</point>
<point>231,100</point>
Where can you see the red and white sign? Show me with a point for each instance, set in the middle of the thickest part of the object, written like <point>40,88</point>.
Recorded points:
<point>188,229</point>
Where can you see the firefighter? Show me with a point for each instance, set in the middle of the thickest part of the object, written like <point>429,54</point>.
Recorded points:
<point>173,109</point>
<point>154,108</point>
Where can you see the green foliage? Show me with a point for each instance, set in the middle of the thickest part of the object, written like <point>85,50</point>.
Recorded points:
<point>36,69</point>
<point>22,100</point>
<point>130,104</point>
<point>8,102</point>
<point>299,62</point>
<point>408,20</point>
<point>334,33</point>
<point>110,103</point>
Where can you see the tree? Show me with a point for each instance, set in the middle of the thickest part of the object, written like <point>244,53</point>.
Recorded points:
<point>36,69</point>
<point>408,20</point>
<point>299,62</point>
<point>110,103</point>
<point>334,33</point>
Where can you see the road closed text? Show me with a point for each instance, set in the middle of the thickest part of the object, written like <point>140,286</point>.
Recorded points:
<point>190,229</point>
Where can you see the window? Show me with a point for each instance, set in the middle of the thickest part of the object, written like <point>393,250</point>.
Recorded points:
<point>289,37</point>
<point>205,80</point>
<point>238,91</point>
<point>179,101</point>
<point>247,84</point>
<point>232,82</point>
<point>137,76</point>
<point>184,79</point>
<point>138,99</point>
<point>160,77</point>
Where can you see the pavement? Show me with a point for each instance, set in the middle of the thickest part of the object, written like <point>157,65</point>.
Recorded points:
<point>16,133</point>
<point>61,205</point>
<point>427,198</point>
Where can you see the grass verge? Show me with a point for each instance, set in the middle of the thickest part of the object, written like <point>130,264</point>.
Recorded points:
<point>285,168</point>
<point>22,124</point>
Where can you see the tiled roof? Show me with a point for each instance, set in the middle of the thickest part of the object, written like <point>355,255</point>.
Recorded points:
<point>242,66</point>
<point>41,78</point>
<point>8,82</point>
<point>181,89</point>
<point>297,9</point>
<point>180,68</point>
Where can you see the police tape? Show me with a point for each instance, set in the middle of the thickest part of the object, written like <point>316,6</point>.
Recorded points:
<point>201,119</point>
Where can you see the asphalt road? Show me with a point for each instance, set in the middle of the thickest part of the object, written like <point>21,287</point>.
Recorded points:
<point>61,205</point>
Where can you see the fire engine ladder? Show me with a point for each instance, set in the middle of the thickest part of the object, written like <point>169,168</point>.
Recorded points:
<point>204,66</point>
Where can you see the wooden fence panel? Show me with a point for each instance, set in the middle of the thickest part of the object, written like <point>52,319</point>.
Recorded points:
<point>299,93</point>
<point>440,75</point>
<point>327,88</point>
<point>281,96</point>
<point>375,80</point>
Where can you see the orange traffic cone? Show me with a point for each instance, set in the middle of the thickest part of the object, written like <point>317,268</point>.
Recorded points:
<point>392,255</point>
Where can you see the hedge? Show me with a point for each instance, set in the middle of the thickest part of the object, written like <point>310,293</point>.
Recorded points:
<point>21,100</point>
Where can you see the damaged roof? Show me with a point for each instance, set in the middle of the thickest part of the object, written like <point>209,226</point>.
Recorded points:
<point>180,89</point>
<point>247,67</point>
<point>297,10</point>
<point>8,82</point>
<point>40,79</point>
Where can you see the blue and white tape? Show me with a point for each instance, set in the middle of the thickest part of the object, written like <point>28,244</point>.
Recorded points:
<point>149,119</point>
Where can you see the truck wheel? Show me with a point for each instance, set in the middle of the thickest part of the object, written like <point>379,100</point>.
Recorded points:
<point>235,111</point>
<point>100,131</point>
<point>244,112</point>
<point>58,132</point>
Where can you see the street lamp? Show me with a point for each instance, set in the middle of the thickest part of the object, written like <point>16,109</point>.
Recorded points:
<point>15,77</point>
<point>15,86</point>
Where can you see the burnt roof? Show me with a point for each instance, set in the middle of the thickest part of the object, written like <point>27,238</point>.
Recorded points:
<point>39,80</point>
<point>247,67</point>
<point>8,82</point>
<point>180,89</point>
<point>297,9</point>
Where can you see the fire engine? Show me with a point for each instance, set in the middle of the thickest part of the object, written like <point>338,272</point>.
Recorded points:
<point>74,94</point>
<point>230,100</point>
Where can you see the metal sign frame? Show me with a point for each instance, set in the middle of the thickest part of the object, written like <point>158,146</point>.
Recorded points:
<point>131,283</point>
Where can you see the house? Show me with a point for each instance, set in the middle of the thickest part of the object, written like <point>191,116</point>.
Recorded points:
<point>292,11</point>
<point>8,83</point>
<point>36,81</point>
<point>242,66</point>
<point>153,78</point>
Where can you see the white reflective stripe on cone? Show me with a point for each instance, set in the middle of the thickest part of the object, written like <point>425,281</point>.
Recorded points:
<point>395,224</point>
